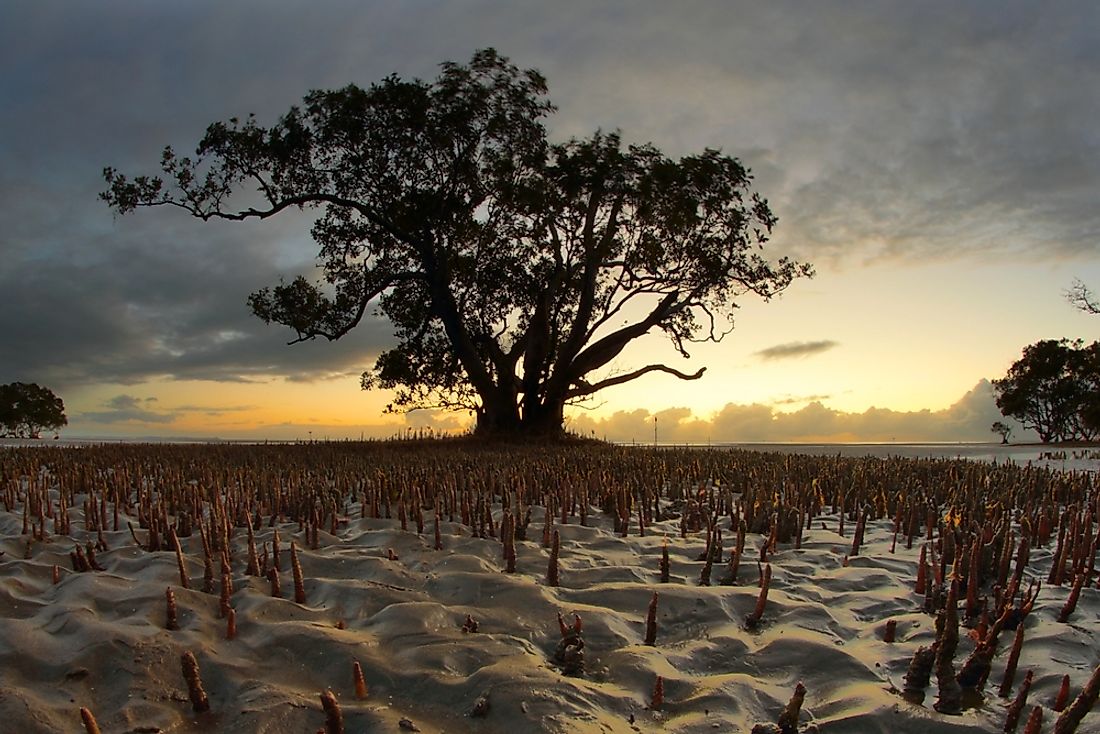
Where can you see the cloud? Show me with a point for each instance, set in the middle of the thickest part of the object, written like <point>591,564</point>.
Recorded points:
<point>796,350</point>
<point>968,419</point>
<point>797,399</point>
<point>128,402</point>
<point>135,411</point>
<point>126,409</point>
<point>213,409</point>
<point>437,421</point>
<point>127,312</point>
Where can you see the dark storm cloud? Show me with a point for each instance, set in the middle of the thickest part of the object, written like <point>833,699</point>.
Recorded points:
<point>892,129</point>
<point>127,308</point>
<point>132,409</point>
<point>126,408</point>
<point>796,350</point>
<point>90,298</point>
<point>883,129</point>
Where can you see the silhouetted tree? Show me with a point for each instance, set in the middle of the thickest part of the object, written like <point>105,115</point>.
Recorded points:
<point>1054,388</point>
<point>1082,297</point>
<point>1086,362</point>
<point>513,270</point>
<point>1002,429</point>
<point>26,409</point>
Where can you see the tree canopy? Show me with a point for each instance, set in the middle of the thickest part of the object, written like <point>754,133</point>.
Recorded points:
<point>513,270</point>
<point>26,409</point>
<point>1054,388</point>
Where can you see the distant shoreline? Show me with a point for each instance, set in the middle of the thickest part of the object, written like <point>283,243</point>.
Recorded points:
<point>1067,456</point>
<point>748,445</point>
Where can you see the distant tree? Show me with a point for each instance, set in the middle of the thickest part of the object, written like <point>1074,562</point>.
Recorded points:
<point>1086,367</point>
<point>1054,388</point>
<point>514,271</point>
<point>26,409</point>
<point>1082,297</point>
<point>1002,429</point>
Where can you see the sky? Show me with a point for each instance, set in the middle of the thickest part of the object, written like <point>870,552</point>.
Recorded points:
<point>937,162</point>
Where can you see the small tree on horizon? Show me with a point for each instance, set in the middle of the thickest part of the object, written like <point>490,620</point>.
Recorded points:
<point>1054,388</point>
<point>26,409</point>
<point>1002,429</point>
<point>513,270</point>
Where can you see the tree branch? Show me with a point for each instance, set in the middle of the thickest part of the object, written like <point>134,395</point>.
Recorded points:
<point>1081,298</point>
<point>606,349</point>
<point>360,310</point>
<point>585,388</point>
<point>593,263</point>
<point>276,207</point>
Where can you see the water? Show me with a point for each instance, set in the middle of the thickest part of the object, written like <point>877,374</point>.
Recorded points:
<point>1082,458</point>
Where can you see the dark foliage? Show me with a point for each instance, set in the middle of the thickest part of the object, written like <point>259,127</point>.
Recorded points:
<point>1054,388</point>
<point>26,409</point>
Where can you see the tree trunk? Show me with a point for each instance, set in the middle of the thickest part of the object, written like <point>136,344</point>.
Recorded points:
<point>499,414</point>
<point>545,419</point>
<point>498,419</point>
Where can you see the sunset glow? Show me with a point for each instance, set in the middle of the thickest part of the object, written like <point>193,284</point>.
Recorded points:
<point>942,182</point>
